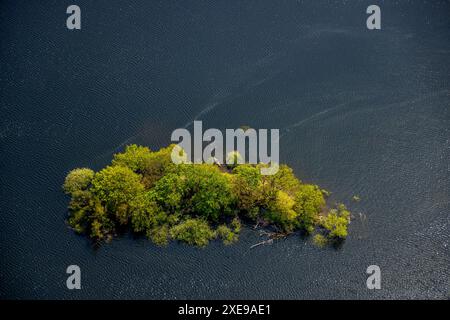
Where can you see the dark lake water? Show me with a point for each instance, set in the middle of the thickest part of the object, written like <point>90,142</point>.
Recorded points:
<point>361,112</point>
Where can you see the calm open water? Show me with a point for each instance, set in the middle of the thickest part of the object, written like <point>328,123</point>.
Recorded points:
<point>361,112</point>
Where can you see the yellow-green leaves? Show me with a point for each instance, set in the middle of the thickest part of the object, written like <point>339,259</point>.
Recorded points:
<point>281,212</point>
<point>336,222</point>
<point>226,234</point>
<point>309,202</point>
<point>193,231</point>
<point>116,185</point>
<point>78,179</point>
<point>135,157</point>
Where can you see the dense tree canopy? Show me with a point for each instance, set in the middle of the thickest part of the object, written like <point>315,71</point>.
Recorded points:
<point>135,157</point>
<point>194,203</point>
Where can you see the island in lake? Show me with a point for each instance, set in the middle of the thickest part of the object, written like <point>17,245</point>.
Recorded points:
<point>144,191</point>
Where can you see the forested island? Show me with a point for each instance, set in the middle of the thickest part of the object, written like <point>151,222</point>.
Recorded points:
<point>145,192</point>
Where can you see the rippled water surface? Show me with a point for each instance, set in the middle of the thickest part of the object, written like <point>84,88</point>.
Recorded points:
<point>360,112</point>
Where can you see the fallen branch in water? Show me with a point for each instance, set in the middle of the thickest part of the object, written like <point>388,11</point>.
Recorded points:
<point>270,241</point>
<point>274,235</point>
<point>271,235</point>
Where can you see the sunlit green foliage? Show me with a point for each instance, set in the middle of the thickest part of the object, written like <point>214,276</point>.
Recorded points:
<point>193,231</point>
<point>281,212</point>
<point>135,157</point>
<point>208,192</point>
<point>145,213</point>
<point>78,179</point>
<point>284,180</point>
<point>169,192</point>
<point>336,222</point>
<point>226,234</point>
<point>101,224</point>
<point>246,186</point>
<point>159,235</point>
<point>236,225</point>
<point>309,202</point>
<point>320,240</point>
<point>198,190</point>
<point>145,192</point>
<point>116,185</point>
<point>88,215</point>
<point>229,234</point>
<point>157,165</point>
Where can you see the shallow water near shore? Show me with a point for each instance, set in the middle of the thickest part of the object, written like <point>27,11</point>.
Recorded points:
<point>360,112</point>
